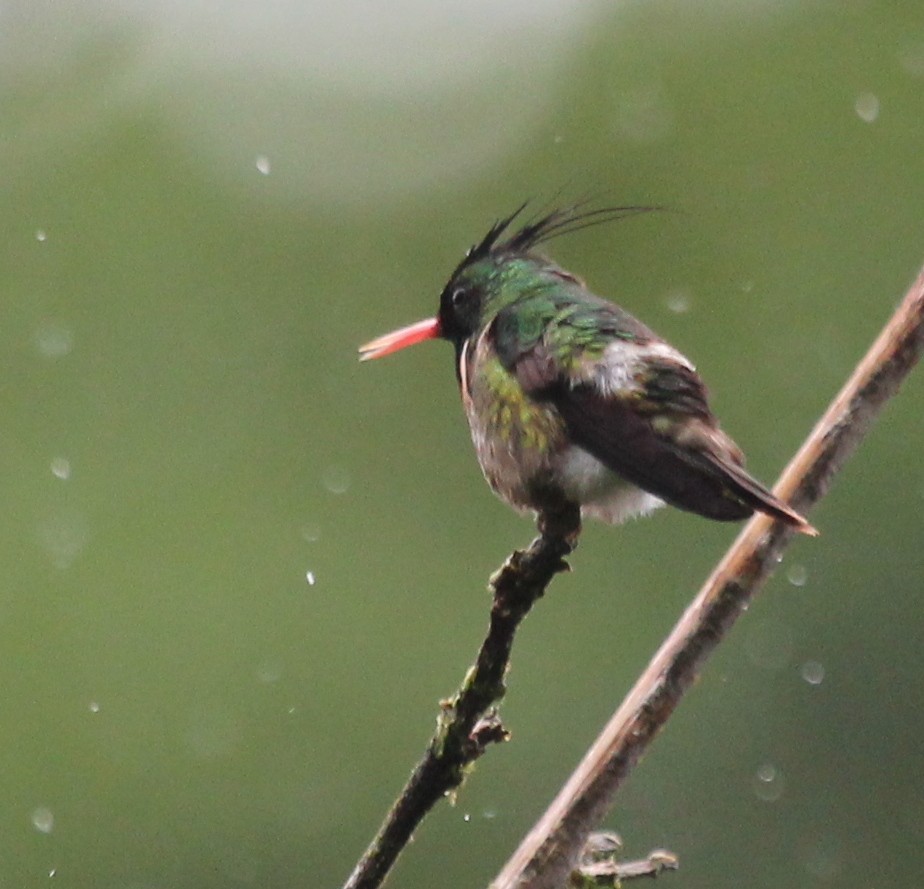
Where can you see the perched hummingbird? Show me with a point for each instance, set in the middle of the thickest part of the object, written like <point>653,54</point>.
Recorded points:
<point>573,402</point>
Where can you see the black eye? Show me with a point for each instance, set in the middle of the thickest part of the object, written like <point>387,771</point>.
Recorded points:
<point>458,297</point>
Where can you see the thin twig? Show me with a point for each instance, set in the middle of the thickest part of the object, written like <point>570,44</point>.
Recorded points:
<point>614,873</point>
<point>549,853</point>
<point>468,722</point>
<point>601,867</point>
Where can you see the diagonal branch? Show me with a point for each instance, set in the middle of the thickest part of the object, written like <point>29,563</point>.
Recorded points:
<point>549,853</point>
<point>468,721</point>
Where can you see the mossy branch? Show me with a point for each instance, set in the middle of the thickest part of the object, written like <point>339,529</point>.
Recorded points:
<point>468,722</point>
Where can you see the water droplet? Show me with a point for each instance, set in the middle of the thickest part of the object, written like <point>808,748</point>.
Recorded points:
<point>269,672</point>
<point>678,302</point>
<point>797,575</point>
<point>311,532</point>
<point>263,164</point>
<point>912,60</point>
<point>813,672</point>
<point>43,820</point>
<point>61,468</point>
<point>53,340</point>
<point>336,479</point>
<point>309,576</point>
<point>823,858</point>
<point>768,783</point>
<point>40,235</point>
<point>53,872</point>
<point>93,707</point>
<point>466,817</point>
<point>867,107</point>
<point>63,535</point>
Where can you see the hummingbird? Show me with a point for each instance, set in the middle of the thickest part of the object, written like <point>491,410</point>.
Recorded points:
<point>571,401</point>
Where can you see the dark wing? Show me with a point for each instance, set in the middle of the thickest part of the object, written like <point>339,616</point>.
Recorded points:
<point>667,452</point>
<point>677,399</point>
<point>667,441</point>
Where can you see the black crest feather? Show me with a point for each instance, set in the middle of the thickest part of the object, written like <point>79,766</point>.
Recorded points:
<point>561,221</point>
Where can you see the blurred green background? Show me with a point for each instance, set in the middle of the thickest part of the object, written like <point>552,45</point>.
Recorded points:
<point>240,569</point>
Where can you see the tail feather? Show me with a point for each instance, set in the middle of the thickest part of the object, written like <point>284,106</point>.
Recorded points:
<point>754,494</point>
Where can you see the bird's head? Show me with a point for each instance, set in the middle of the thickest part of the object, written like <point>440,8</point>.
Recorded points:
<point>495,272</point>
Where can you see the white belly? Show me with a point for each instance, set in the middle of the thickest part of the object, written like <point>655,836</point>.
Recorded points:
<point>602,493</point>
